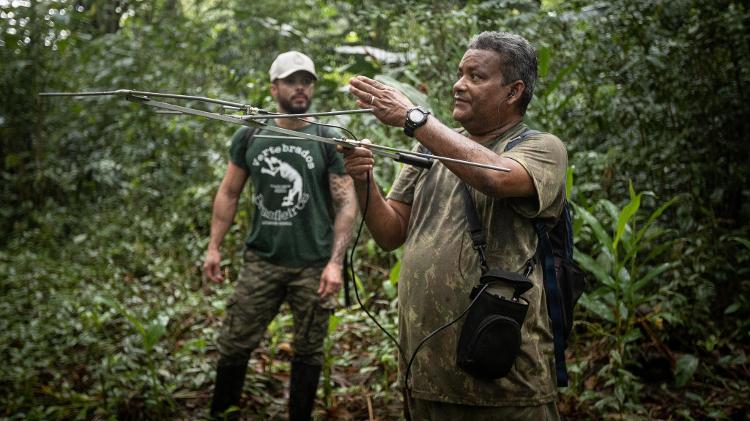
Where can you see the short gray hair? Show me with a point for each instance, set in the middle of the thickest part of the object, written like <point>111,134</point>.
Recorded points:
<point>518,57</point>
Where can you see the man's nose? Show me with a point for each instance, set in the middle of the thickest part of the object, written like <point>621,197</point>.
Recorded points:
<point>459,85</point>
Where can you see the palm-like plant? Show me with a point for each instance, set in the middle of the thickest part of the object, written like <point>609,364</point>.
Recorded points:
<point>626,261</point>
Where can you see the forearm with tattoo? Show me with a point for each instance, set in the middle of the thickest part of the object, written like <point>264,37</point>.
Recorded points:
<point>344,204</point>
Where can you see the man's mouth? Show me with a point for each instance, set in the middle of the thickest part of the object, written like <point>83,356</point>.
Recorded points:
<point>458,100</point>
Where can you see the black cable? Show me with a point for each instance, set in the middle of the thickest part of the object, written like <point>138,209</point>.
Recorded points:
<point>342,128</point>
<point>435,332</point>
<point>359,301</point>
<point>354,278</point>
<point>335,126</point>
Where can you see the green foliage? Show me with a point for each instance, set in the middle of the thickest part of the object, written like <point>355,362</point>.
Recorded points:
<point>105,206</point>
<point>627,292</point>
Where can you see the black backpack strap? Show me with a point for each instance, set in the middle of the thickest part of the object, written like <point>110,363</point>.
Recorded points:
<point>250,133</point>
<point>476,230</point>
<point>554,299</point>
<point>551,286</point>
<point>519,282</point>
<point>520,138</point>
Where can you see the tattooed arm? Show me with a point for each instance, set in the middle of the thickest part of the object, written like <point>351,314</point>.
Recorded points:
<point>345,206</point>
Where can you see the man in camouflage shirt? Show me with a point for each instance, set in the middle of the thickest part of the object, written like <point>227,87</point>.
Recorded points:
<point>424,212</point>
<point>305,208</point>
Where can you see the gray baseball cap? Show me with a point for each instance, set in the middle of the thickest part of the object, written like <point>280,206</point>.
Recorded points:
<point>290,62</point>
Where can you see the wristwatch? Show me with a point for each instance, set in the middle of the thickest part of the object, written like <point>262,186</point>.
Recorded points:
<point>416,117</point>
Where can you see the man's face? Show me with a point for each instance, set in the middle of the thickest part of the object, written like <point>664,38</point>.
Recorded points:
<point>294,93</point>
<point>479,94</point>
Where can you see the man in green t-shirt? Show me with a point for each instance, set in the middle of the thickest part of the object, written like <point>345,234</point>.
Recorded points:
<point>305,208</point>
<point>425,213</point>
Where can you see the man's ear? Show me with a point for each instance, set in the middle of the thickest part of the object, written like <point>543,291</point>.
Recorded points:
<point>274,89</point>
<point>516,91</point>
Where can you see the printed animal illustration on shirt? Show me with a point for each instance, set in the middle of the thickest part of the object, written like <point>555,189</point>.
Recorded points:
<point>281,195</point>
<point>287,172</point>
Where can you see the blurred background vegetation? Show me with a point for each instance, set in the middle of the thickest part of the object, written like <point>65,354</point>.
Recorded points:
<point>105,205</point>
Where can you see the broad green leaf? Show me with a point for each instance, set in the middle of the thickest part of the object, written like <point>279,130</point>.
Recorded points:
<point>389,289</point>
<point>627,214</point>
<point>655,214</point>
<point>333,323</point>
<point>744,241</point>
<point>732,308</point>
<point>623,278</point>
<point>590,265</point>
<point>597,308</point>
<point>612,210</point>
<point>601,234</point>
<point>685,368</point>
<point>623,311</point>
<point>394,273</point>
<point>653,273</point>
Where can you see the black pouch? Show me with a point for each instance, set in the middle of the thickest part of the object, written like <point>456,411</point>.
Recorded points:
<point>491,335</point>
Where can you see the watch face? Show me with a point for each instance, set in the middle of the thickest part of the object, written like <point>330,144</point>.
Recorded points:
<point>416,116</point>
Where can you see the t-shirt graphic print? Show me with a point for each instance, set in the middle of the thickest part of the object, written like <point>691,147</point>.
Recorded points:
<point>287,187</point>
<point>292,222</point>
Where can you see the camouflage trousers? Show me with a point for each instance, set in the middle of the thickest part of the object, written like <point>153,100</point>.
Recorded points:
<point>424,410</point>
<point>260,289</point>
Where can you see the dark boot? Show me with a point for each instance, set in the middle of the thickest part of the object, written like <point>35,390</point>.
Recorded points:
<point>302,388</point>
<point>227,390</point>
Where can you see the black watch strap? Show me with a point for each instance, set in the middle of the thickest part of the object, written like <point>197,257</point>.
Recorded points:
<point>410,124</point>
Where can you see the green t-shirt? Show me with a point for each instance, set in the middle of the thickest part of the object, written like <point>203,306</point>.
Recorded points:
<point>439,267</point>
<point>293,221</point>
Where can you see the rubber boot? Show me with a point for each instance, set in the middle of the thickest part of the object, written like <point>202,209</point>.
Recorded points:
<point>227,391</point>
<point>302,388</point>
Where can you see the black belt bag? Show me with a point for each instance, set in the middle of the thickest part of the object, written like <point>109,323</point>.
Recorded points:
<point>491,335</point>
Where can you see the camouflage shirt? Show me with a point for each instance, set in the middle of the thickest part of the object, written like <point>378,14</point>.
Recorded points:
<point>439,268</point>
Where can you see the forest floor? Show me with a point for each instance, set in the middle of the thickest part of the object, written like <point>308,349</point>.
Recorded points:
<point>355,391</point>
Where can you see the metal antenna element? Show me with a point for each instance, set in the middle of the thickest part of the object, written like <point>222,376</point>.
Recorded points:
<point>253,113</point>
<point>321,114</point>
<point>408,157</point>
<point>129,92</point>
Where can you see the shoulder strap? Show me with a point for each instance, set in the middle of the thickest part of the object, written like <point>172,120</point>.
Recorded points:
<point>520,138</point>
<point>250,134</point>
<point>476,230</point>
<point>554,299</point>
<point>519,282</point>
<point>551,286</point>
<point>328,150</point>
